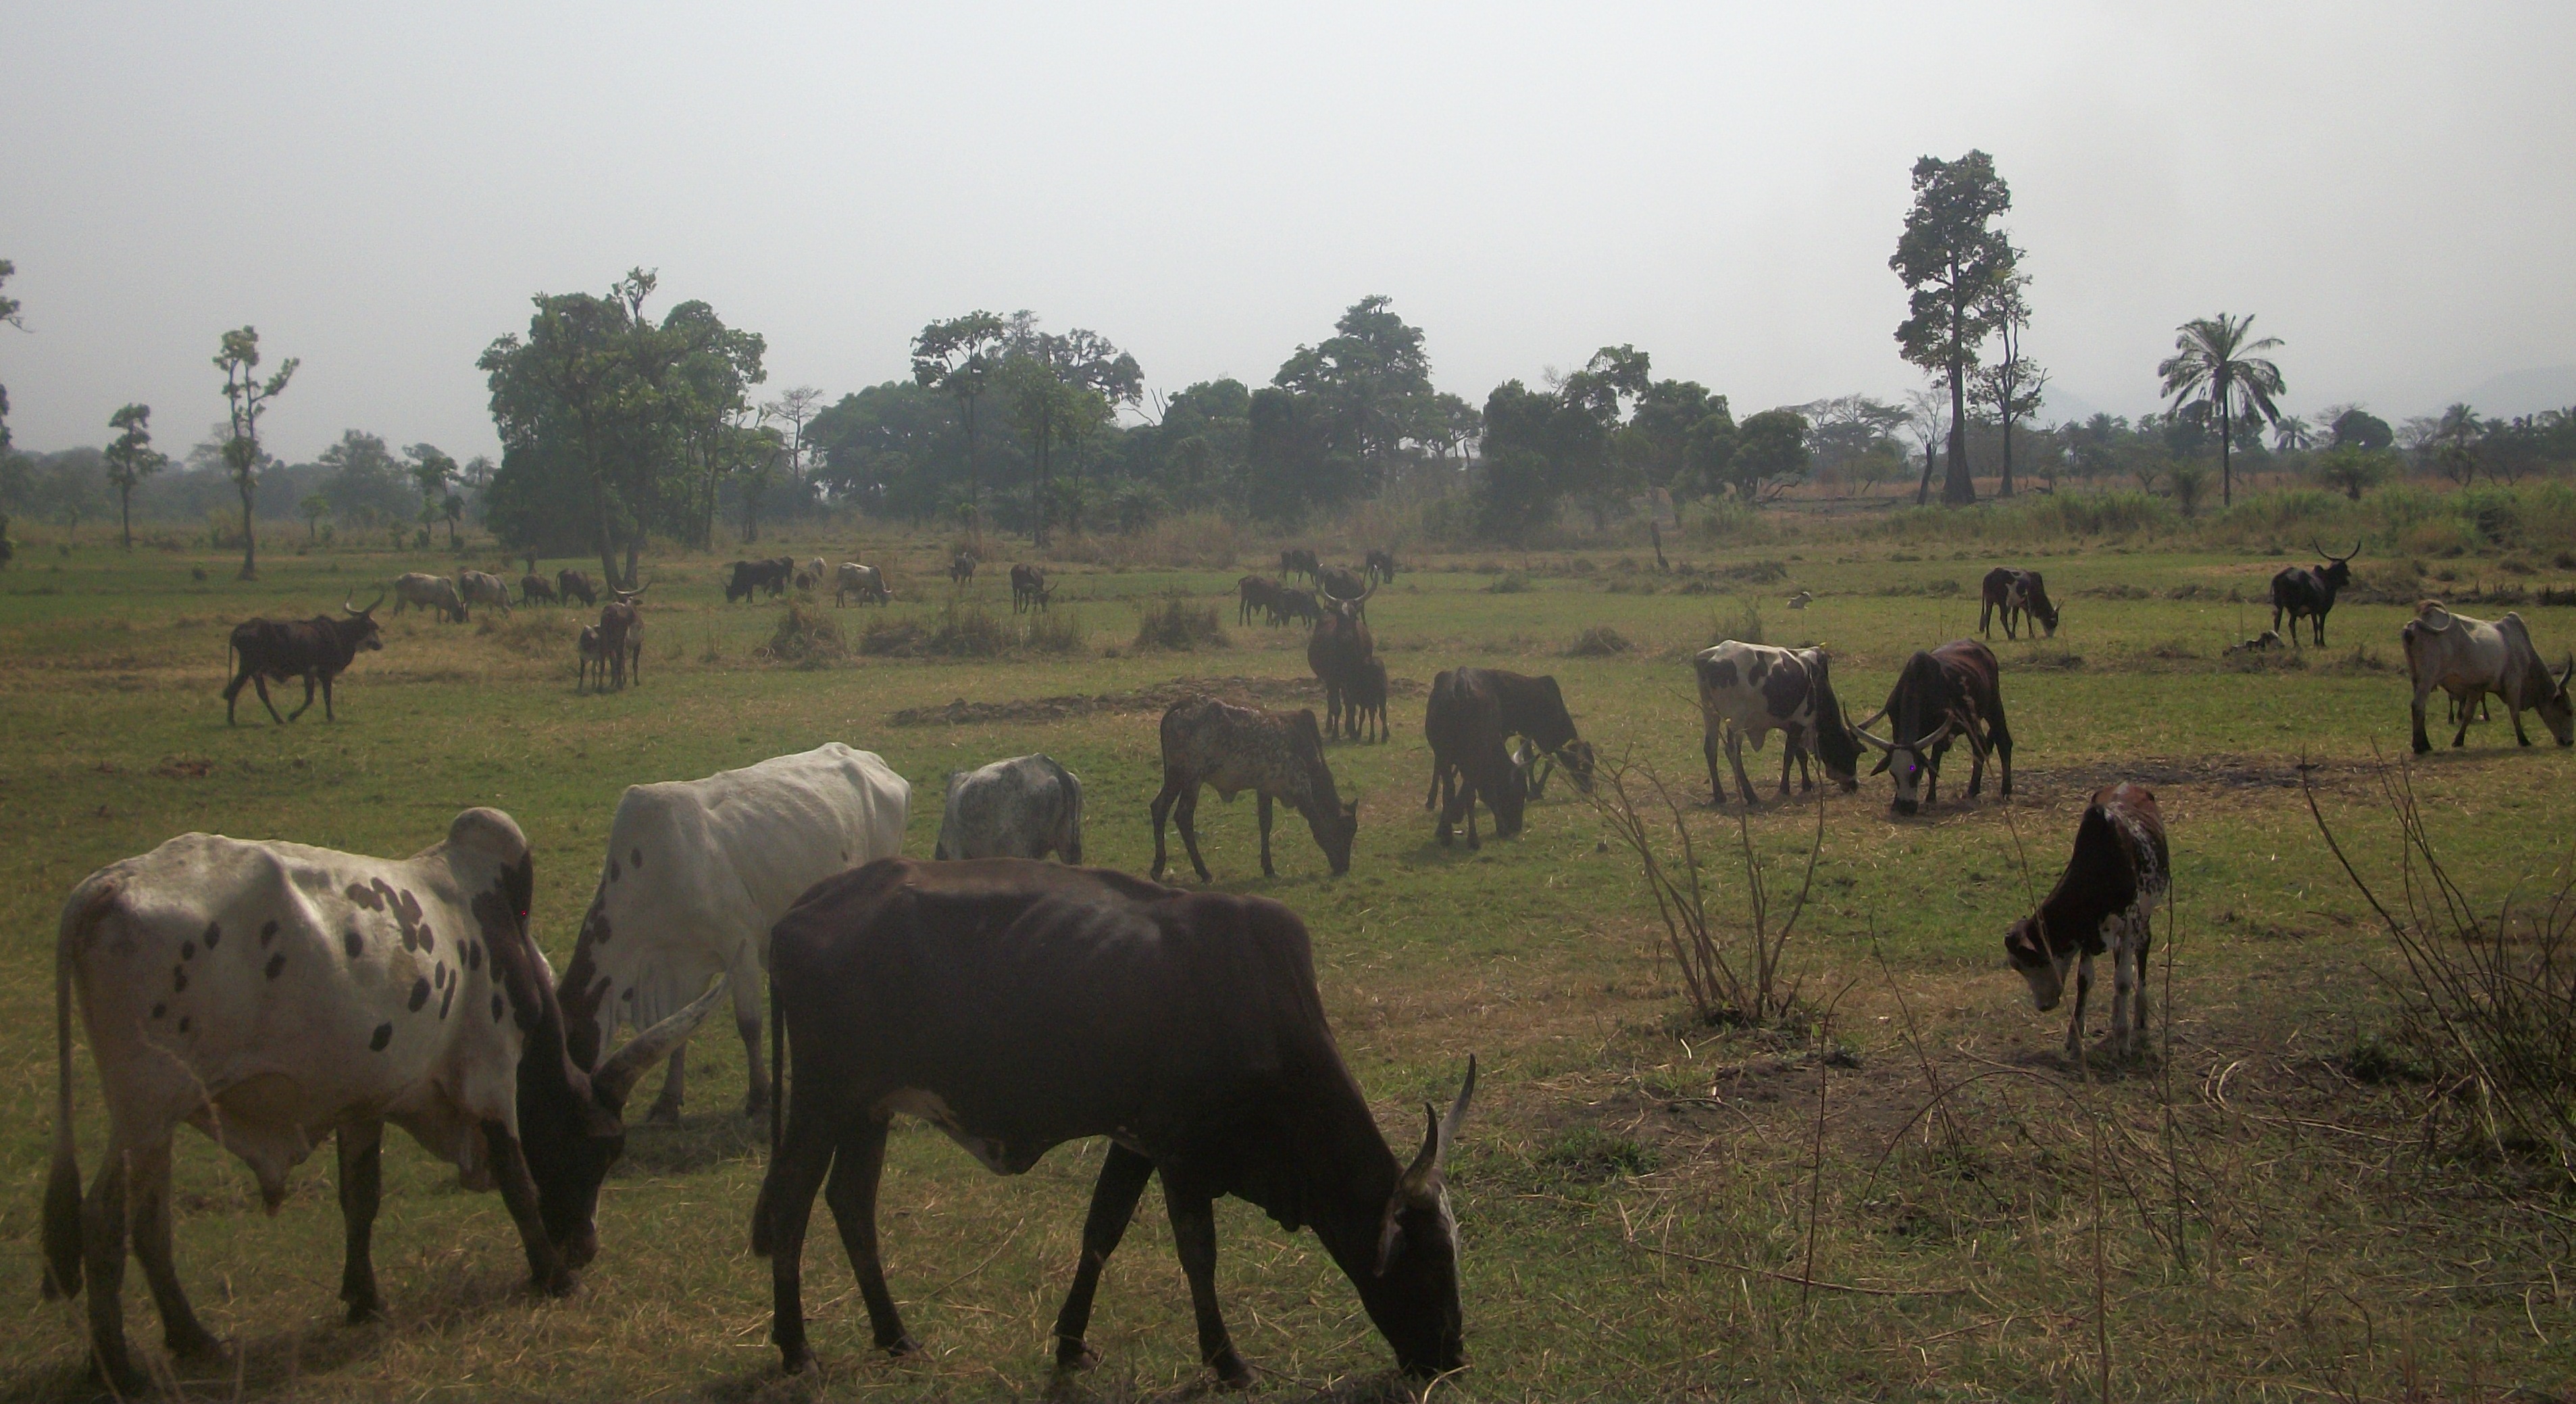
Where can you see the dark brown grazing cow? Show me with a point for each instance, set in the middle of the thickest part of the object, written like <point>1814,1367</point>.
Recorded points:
<point>2014,593</point>
<point>576,585</point>
<point>1017,1005</point>
<point>533,587</point>
<point>1380,566</point>
<point>1256,593</point>
<point>2308,592</point>
<point>745,578</point>
<point>2107,893</point>
<point>1029,589</point>
<point>961,568</point>
<point>1534,709</point>
<point>315,649</point>
<point>1335,582</point>
<point>1954,692</point>
<point>1293,606</point>
<point>1297,560</point>
<point>1339,645</point>
<point>1463,722</point>
<point>1277,755</point>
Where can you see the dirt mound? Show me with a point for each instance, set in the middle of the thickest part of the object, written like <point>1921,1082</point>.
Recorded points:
<point>1242,691</point>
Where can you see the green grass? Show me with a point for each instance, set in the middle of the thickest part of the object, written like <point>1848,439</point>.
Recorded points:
<point>1635,1190</point>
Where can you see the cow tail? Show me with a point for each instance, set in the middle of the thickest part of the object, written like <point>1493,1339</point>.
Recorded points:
<point>63,1185</point>
<point>760,1235</point>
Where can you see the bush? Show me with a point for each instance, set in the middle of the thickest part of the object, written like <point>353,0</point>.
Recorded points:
<point>1599,641</point>
<point>530,633</point>
<point>1512,584</point>
<point>805,638</point>
<point>1179,624</point>
<point>1054,631</point>
<point>1744,627</point>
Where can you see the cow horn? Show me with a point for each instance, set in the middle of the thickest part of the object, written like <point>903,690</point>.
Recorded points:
<point>370,609</point>
<point>615,1078</point>
<point>2567,673</point>
<point>1457,1116</point>
<point>1426,1163</point>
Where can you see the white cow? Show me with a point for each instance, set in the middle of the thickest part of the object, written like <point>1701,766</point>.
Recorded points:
<point>865,581</point>
<point>477,587</point>
<point>273,995</point>
<point>2469,658</point>
<point>1024,807</point>
<point>697,873</point>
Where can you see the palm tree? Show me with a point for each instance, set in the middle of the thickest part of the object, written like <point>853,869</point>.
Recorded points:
<point>2212,364</point>
<point>2293,435</point>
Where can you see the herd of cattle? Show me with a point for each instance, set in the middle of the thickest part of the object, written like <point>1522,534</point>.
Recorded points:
<point>272,994</point>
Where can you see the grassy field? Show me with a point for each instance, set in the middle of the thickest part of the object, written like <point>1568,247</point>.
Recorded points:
<point>1651,1207</point>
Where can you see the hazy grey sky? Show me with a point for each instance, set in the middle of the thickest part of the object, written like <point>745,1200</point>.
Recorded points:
<point>2391,188</point>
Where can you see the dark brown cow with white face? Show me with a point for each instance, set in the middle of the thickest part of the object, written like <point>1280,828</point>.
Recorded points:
<point>1274,754</point>
<point>271,994</point>
<point>1018,1005</point>
<point>1951,693</point>
<point>2105,898</point>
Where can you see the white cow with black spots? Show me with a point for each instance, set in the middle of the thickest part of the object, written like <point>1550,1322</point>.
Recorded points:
<point>697,873</point>
<point>274,995</point>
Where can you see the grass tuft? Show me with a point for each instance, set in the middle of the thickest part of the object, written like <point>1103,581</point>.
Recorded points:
<point>1178,624</point>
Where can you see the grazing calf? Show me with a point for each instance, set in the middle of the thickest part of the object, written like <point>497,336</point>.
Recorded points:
<point>1029,590</point>
<point>421,590</point>
<point>533,587</point>
<point>2014,593</point>
<point>1463,723</point>
<point>2469,658</point>
<point>317,650</point>
<point>2308,592</point>
<point>1291,606</point>
<point>477,587</point>
<point>270,994</point>
<point>1276,755</point>
<point>1802,599</point>
<point>590,655</point>
<point>865,581</point>
<point>961,568</point>
<point>1380,567</point>
<point>1024,807</point>
<point>1017,1006</point>
<point>576,585</point>
<point>2106,896</point>
<point>698,870</point>
<point>1751,690</point>
<point>1949,693</point>
<point>2260,643</point>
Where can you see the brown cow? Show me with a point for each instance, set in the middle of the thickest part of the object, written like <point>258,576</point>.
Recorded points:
<point>1463,721</point>
<point>316,649</point>
<point>1951,692</point>
<point>2109,889</point>
<point>1274,754</point>
<point>1336,650</point>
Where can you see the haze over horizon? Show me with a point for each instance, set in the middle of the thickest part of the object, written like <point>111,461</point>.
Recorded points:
<point>2386,188</point>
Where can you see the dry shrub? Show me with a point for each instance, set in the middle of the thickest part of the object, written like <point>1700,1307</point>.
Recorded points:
<point>1511,584</point>
<point>1179,624</point>
<point>530,633</point>
<point>1196,540</point>
<point>805,637</point>
<point>1744,627</point>
<point>1054,631</point>
<point>966,629</point>
<point>1599,641</point>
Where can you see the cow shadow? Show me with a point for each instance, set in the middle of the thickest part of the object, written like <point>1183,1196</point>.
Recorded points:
<point>699,1141</point>
<point>1056,1386</point>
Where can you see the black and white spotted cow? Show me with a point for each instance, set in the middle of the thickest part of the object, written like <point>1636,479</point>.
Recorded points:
<point>273,995</point>
<point>2104,900</point>
<point>699,870</point>
<point>1749,690</point>
<point>1024,807</point>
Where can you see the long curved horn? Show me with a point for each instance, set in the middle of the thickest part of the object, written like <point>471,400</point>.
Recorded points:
<point>2348,555</point>
<point>2427,610</point>
<point>1457,1116</point>
<point>346,607</point>
<point>2567,673</point>
<point>1869,720</point>
<point>615,1078</point>
<point>1426,1162</point>
<point>2319,548</point>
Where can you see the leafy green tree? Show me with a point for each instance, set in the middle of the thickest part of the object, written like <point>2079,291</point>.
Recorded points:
<point>2214,365</point>
<point>960,356</point>
<point>2188,480</point>
<point>131,459</point>
<point>313,509</point>
<point>1771,454</point>
<point>2293,435</point>
<point>1290,465</point>
<point>1371,383</point>
<point>8,314</point>
<point>2012,386</point>
<point>2351,426</point>
<point>2455,443</point>
<point>1953,262</point>
<point>246,398</point>
<point>1539,445</point>
<point>707,398</point>
<point>431,471</point>
<point>2352,469</point>
<point>1061,388</point>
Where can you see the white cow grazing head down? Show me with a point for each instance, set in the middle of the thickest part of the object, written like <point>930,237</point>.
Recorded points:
<point>697,871</point>
<point>272,994</point>
<point>1024,807</point>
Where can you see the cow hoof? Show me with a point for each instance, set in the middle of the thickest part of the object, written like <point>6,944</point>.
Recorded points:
<point>563,1284</point>
<point>365,1310</point>
<point>900,1346</point>
<point>663,1114</point>
<point>1074,1355</point>
<point>1231,1370</point>
<point>795,1362</point>
<point>1445,837</point>
<point>2423,748</point>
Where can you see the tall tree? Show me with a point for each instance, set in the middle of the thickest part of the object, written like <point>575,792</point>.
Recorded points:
<point>960,356</point>
<point>2013,384</point>
<point>1370,382</point>
<point>8,314</point>
<point>2213,365</point>
<point>1952,262</point>
<point>131,459</point>
<point>2293,435</point>
<point>710,407</point>
<point>1062,387</point>
<point>796,408</point>
<point>246,398</point>
<point>431,472</point>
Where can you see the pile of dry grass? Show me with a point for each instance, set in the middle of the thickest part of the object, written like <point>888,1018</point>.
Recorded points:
<point>530,633</point>
<point>965,630</point>
<point>805,638</point>
<point>1180,624</point>
<point>1599,641</point>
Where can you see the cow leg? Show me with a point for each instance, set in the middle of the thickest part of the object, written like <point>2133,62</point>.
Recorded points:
<point>1194,1238</point>
<point>857,1164</point>
<point>675,1089</point>
<point>1735,757</point>
<point>1431,797</point>
<point>546,1269</point>
<point>2124,984</point>
<point>2519,736</point>
<point>1186,815</point>
<point>2468,708</point>
<point>1708,749</point>
<point>779,1215</point>
<point>2415,712</point>
<point>1113,1206</point>
<point>1261,805</point>
<point>362,1145</point>
<point>149,1167</point>
<point>103,1248</point>
<point>328,714</point>
<point>748,985</point>
<point>2083,991</point>
<point>261,683</point>
<point>1161,811</point>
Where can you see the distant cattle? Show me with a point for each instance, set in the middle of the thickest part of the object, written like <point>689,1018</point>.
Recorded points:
<point>317,650</point>
<point>743,579</point>
<point>1802,599</point>
<point>815,569</point>
<point>961,568</point>
<point>415,589</point>
<point>1297,560</point>
<point>1463,723</point>
<point>865,581</point>
<point>1379,566</point>
<point>1256,594</point>
<point>1024,807</point>
<point>1029,590</point>
<point>2014,593</point>
<point>590,653</point>
<point>1294,606</point>
<point>2106,896</point>
<point>2308,592</point>
<point>576,585</point>
<point>621,632</point>
<point>1749,690</point>
<point>1017,1006</point>
<point>696,873</point>
<point>477,587</point>
<point>2470,658</point>
<point>271,995</point>
<point>1954,692</point>
<point>1277,755</point>
<point>1335,651</point>
<point>1334,581</point>
<point>533,587</point>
